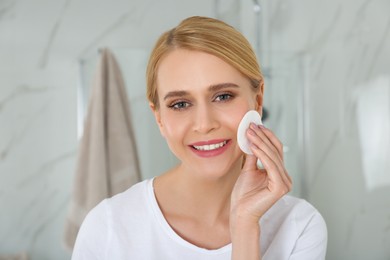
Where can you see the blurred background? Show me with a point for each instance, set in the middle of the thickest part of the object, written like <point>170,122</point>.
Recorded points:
<point>327,74</point>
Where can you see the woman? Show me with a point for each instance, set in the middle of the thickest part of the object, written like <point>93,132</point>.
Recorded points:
<point>202,78</point>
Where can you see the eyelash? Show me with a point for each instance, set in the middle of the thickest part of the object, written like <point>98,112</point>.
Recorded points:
<point>228,95</point>
<point>182,104</point>
<point>175,105</point>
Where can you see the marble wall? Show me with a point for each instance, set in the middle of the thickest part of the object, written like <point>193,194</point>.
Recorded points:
<point>328,77</point>
<point>345,49</point>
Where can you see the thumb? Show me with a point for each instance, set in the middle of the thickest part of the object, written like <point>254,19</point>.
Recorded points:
<point>250,163</point>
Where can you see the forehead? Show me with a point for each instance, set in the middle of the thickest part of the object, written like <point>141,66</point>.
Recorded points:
<point>188,70</point>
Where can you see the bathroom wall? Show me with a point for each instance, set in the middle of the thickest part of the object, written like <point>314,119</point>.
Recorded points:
<point>344,49</point>
<point>333,54</point>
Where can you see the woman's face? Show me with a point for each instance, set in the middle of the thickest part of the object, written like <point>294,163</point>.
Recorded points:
<point>202,100</point>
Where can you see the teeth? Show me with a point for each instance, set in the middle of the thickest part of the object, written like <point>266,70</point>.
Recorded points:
<point>210,147</point>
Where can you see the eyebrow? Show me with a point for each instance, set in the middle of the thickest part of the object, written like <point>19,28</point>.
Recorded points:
<point>212,88</point>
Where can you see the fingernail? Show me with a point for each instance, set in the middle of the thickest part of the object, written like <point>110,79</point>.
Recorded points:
<point>253,126</point>
<point>261,126</point>
<point>251,132</point>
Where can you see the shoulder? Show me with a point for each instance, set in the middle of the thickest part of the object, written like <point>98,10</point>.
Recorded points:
<point>292,208</point>
<point>132,195</point>
<point>110,216</point>
<point>129,204</point>
<point>305,215</point>
<point>299,208</point>
<point>299,213</point>
<point>297,226</point>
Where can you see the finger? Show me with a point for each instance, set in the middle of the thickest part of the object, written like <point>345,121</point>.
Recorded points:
<point>273,139</point>
<point>258,138</point>
<point>273,144</point>
<point>265,135</point>
<point>271,154</point>
<point>250,163</point>
<point>278,144</point>
<point>278,181</point>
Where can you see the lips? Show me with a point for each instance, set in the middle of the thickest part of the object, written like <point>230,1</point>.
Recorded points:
<point>210,148</point>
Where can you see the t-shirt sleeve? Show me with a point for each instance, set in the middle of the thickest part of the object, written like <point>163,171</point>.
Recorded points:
<point>92,239</point>
<point>312,242</point>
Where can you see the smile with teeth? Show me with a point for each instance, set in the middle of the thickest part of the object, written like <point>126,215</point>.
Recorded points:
<point>210,147</point>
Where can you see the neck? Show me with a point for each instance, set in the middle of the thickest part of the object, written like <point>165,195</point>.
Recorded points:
<point>205,199</point>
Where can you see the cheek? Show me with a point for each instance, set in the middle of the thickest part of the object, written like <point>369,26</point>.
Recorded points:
<point>233,116</point>
<point>173,126</point>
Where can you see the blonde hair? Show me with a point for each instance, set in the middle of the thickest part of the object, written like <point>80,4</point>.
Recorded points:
<point>207,35</point>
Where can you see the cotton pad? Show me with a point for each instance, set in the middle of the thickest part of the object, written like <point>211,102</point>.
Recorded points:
<point>252,116</point>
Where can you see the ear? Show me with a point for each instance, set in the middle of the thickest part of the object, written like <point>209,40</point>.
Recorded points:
<point>157,117</point>
<point>259,98</point>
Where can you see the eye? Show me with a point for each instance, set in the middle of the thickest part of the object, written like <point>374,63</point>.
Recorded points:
<point>180,105</point>
<point>223,97</point>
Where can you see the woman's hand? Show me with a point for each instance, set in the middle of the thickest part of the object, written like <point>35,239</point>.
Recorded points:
<point>256,190</point>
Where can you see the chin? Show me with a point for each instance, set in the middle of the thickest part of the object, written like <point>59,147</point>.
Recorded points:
<point>217,170</point>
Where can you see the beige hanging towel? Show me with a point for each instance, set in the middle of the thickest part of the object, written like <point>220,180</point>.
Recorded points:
<point>107,160</point>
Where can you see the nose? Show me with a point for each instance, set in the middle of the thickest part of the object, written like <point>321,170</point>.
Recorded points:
<point>205,120</point>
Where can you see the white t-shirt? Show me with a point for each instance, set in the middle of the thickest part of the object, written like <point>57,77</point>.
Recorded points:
<point>131,225</point>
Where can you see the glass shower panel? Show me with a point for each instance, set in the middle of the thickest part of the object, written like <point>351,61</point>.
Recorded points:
<point>283,100</point>
<point>373,120</point>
